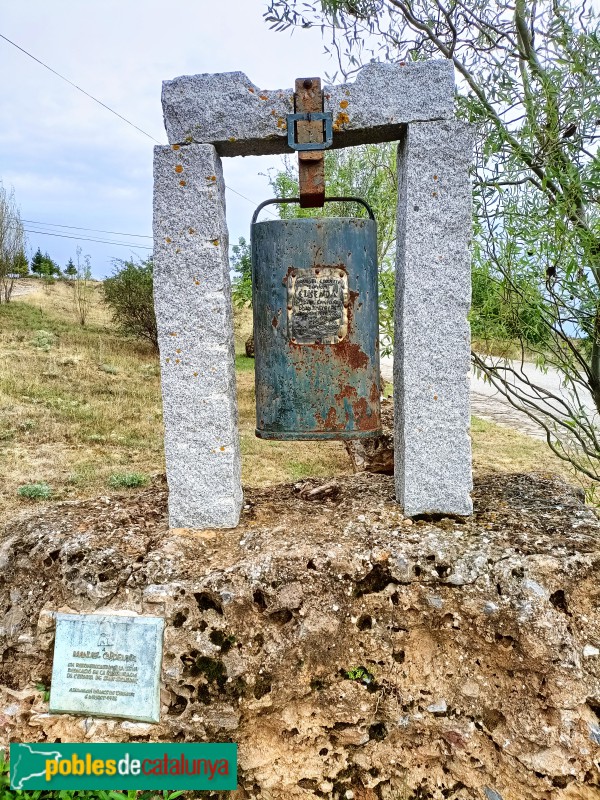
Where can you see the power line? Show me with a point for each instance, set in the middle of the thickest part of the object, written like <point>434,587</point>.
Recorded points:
<point>93,230</point>
<point>108,108</point>
<point>79,89</point>
<point>87,239</point>
<point>254,203</point>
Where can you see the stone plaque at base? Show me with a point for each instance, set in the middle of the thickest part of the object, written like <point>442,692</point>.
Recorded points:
<point>107,666</point>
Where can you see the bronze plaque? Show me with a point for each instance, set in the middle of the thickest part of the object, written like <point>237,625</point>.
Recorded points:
<point>317,305</point>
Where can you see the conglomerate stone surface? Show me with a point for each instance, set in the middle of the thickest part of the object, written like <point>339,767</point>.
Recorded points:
<point>351,653</point>
<point>229,111</point>
<point>432,339</point>
<point>192,300</point>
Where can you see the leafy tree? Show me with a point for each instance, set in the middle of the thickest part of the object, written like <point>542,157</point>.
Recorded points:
<point>528,76</point>
<point>20,265</point>
<point>129,293</point>
<point>12,243</point>
<point>241,264</point>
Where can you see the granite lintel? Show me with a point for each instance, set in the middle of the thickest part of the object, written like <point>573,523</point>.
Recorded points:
<point>230,112</point>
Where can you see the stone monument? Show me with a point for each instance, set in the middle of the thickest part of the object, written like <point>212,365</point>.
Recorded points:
<point>209,116</point>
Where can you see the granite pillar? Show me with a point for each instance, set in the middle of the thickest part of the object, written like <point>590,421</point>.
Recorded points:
<point>432,337</point>
<point>192,297</point>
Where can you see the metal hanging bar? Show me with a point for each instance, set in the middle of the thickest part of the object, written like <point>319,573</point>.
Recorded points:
<point>325,200</point>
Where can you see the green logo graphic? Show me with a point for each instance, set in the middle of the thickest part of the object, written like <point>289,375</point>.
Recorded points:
<point>123,766</point>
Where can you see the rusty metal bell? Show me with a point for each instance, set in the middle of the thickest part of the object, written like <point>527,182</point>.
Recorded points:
<point>316,326</point>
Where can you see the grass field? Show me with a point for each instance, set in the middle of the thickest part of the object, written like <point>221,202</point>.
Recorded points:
<point>80,411</point>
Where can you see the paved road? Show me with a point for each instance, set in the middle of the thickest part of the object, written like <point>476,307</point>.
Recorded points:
<point>487,403</point>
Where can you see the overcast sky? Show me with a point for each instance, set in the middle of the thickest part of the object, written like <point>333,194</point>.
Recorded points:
<point>71,162</point>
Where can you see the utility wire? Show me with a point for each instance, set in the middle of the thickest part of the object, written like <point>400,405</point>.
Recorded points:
<point>88,239</point>
<point>79,89</point>
<point>108,108</point>
<point>254,203</point>
<point>93,230</point>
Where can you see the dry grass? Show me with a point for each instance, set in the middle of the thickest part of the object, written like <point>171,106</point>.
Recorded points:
<point>500,449</point>
<point>79,405</point>
<point>83,404</point>
<point>76,404</point>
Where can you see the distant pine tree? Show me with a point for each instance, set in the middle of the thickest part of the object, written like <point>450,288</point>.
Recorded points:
<point>71,269</point>
<point>52,267</point>
<point>38,263</point>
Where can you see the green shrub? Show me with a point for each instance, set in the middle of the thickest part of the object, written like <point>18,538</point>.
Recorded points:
<point>127,480</point>
<point>359,674</point>
<point>43,339</point>
<point>129,294</point>
<point>35,491</point>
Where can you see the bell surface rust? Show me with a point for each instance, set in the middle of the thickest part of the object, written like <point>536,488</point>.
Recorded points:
<point>316,328</point>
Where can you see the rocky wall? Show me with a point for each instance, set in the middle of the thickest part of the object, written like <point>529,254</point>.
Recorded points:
<point>350,652</point>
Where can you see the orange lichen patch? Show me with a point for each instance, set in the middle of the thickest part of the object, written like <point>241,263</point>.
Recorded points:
<point>263,96</point>
<point>197,283</point>
<point>434,194</point>
<point>177,360</point>
<point>174,147</point>
<point>215,242</point>
<point>178,351</point>
<point>191,230</point>
<point>281,123</point>
<point>167,240</point>
<point>344,104</point>
<point>182,183</point>
<point>173,333</point>
<point>435,177</point>
<point>341,119</point>
<point>178,168</point>
<point>273,112</point>
<point>222,449</point>
<point>435,396</point>
<point>195,374</point>
<point>212,178</point>
<point>251,90</point>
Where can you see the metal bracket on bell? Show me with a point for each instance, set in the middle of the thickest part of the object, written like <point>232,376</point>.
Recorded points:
<point>311,116</point>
